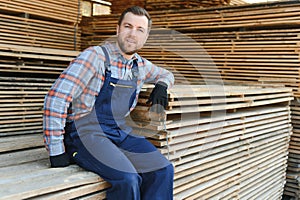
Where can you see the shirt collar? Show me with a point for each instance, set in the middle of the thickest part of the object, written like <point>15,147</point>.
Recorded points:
<point>115,52</point>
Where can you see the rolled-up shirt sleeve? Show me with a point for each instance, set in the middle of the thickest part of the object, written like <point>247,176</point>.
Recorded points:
<point>155,74</point>
<point>71,84</point>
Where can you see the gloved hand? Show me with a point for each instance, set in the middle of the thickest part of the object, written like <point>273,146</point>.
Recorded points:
<point>158,97</point>
<point>61,160</point>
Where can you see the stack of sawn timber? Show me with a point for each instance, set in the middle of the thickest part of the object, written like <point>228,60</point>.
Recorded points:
<point>117,6</point>
<point>225,141</point>
<point>256,44</point>
<point>248,45</point>
<point>52,24</point>
<point>37,39</point>
<point>153,5</point>
<point>27,73</point>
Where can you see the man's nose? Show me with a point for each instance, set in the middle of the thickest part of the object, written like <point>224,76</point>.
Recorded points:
<point>133,32</point>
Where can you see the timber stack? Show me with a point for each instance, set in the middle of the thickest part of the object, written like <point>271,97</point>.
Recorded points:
<point>51,24</point>
<point>224,141</point>
<point>35,48</point>
<point>37,42</point>
<point>152,5</point>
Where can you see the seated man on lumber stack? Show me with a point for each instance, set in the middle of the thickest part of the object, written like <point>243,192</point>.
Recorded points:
<point>85,110</point>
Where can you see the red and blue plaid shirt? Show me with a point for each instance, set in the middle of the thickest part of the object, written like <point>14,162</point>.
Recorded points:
<point>82,81</point>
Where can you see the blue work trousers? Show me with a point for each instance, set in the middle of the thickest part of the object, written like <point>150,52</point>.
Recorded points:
<point>119,165</point>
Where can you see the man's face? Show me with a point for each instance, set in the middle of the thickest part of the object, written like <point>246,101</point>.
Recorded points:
<point>132,33</point>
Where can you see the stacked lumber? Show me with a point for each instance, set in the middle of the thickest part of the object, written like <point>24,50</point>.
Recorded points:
<point>292,187</point>
<point>257,15</point>
<point>153,5</point>
<point>250,44</point>
<point>27,73</point>
<point>117,7</point>
<point>28,168</point>
<point>265,57</point>
<point>37,33</point>
<point>67,11</point>
<point>222,18</point>
<point>36,180</point>
<point>224,141</point>
<point>50,24</point>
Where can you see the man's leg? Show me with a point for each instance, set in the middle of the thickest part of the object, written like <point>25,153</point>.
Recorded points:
<point>98,154</point>
<point>156,171</point>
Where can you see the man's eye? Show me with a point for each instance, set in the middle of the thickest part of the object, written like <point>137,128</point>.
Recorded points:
<point>141,30</point>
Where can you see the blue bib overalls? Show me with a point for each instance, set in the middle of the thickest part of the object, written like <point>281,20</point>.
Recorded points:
<point>101,142</point>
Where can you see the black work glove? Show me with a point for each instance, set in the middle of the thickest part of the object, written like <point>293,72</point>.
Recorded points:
<point>158,97</point>
<point>61,160</point>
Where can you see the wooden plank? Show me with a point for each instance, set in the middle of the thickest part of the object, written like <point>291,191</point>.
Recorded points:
<point>24,156</point>
<point>34,184</point>
<point>20,142</point>
<point>79,192</point>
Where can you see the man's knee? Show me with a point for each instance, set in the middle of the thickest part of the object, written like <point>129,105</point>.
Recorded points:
<point>169,171</point>
<point>132,179</point>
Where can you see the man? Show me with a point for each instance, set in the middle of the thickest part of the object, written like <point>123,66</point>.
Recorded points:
<point>85,110</point>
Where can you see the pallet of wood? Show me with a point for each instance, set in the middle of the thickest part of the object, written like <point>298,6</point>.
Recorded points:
<point>224,141</point>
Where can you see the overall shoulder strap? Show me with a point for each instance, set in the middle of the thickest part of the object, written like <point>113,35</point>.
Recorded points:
<point>107,59</point>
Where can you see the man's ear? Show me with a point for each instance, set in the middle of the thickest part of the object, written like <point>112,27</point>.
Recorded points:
<point>118,29</point>
<point>146,37</point>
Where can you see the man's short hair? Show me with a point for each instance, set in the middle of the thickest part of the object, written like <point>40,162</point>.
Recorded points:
<point>137,11</point>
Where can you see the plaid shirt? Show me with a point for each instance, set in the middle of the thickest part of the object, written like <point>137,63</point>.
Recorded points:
<point>81,82</point>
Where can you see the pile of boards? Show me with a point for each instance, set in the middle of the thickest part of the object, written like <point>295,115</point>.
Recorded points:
<point>37,42</point>
<point>27,73</point>
<point>52,24</point>
<point>292,187</point>
<point>224,141</point>
<point>250,44</point>
<point>153,5</point>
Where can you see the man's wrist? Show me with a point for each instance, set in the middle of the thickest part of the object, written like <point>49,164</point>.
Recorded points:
<point>61,160</point>
<point>162,84</point>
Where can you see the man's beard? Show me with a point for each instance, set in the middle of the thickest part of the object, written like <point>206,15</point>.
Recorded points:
<point>123,48</point>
